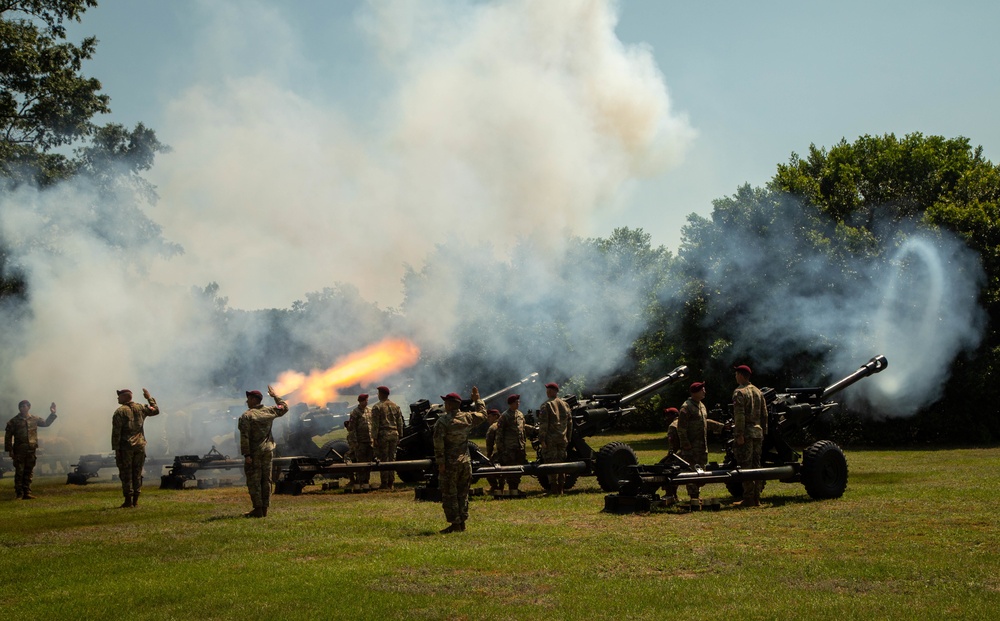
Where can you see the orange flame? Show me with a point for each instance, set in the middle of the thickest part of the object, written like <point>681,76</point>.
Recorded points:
<point>373,362</point>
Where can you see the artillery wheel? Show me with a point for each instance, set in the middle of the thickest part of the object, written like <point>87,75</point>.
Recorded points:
<point>339,446</point>
<point>546,483</point>
<point>824,470</point>
<point>407,476</point>
<point>612,464</point>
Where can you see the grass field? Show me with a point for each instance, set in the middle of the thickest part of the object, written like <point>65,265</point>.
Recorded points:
<point>914,537</point>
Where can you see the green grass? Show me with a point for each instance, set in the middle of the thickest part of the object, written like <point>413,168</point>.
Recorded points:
<point>915,536</point>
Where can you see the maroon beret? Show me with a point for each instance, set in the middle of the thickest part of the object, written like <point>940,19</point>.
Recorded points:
<point>452,395</point>
<point>255,393</point>
<point>384,389</point>
<point>552,385</point>
<point>123,391</point>
<point>695,387</point>
<point>744,369</point>
<point>671,411</point>
<point>512,399</point>
<point>493,411</point>
<point>362,396</point>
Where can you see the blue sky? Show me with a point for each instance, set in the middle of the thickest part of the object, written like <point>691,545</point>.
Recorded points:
<point>754,81</point>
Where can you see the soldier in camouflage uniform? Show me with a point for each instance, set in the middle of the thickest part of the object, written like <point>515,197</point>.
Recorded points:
<point>555,430</point>
<point>492,416</point>
<point>692,432</point>
<point>387,429</point>
<point>257,447</point>
<point>451,453</point>
<point>749,428</point>
<point>673,446</point>
<point>20,440</point>
<point>364,443</point>
<point>129,442</point>
<point>510,438</point>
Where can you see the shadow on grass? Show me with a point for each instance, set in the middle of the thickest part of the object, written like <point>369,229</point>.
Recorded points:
<point>218,518</point>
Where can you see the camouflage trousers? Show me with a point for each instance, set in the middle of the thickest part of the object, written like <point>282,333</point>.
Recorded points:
<point>24,467</point>
<point>363,453</point>
<point>696,456</point>
<point>511,458</point>
<point>554,451</point>
<point>385,450</point>
<point>258,475</point>
<point>454,484</point>
<point>130,462</point>
<point>748,456</point>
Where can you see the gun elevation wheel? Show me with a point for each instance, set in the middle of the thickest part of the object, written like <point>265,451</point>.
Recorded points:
<point>824,470</point>
<point>612,464</point>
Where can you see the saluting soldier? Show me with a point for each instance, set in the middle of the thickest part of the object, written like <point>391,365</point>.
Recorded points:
<point>20,441</point>
<point>555,430</point>
<point>451,453</point>
<point>257,447</point>
<point>749,428</point>
<point>129,442</point>
<point>510,438</point>
<point>492,416</point>
<point>387,429</point>
<point>361,429</point>
<point>692,432</point>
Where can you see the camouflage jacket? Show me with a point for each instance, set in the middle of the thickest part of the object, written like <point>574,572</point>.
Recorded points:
<point>127,422</point>
<point>387,420</point>
<point>510,431</point>
<point>749,412</point>
<point>451,434</point>
<point>361,425</point>
<point>491,441</point>
<point>22,432</point>
<point>255,427</point>
<point>555,420</point>
<point>693,424</point>
<point>673,442</point>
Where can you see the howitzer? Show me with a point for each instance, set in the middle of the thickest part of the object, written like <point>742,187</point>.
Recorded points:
<point>414,453</point>
<point>89,467</point>
<point>590,416</point>
<point>822,469</point>
<point>186,467</point>
<point>6,465</point>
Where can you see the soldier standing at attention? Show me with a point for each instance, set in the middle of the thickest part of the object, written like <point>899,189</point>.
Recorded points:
<point>387,428</point>
<point>129,442</point>
<point>361,429</point>
<point>20,440</point>
<point>510,438</point>
<point>451,453</point>
<point>257,447</point>
<point>555,430</point>
<point>673,446</point>
<point>692,432</point>
<point>749,428</point>
<point>492,416</point>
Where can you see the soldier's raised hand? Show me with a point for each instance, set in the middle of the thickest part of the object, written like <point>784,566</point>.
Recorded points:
<point>475,393</point>
<point>146,395</point>
<point>52,408</point>
<point>271,392</point>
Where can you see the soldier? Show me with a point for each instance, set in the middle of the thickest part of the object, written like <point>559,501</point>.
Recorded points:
<point>20,440</point>
<point>510,438</point>
<point>364,444</point>
<point>673,446</point>
<point>387,429</point>
<point>555,430</point>
<point>129,442</point>
<point>692,432</point>
<point>749,428</point>
<point>451,453</point>
<point>257,447</point>
<point>492,416</point>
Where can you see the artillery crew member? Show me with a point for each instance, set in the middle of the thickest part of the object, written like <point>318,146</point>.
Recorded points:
<point>451,453</point>
<point>387,429</point>
<point>510,438</point>
<point>555,430</point>
<point>360,430</point>
<point>129,442</point>
<point>692,432</point>
<point>749,428</point>
<point>673,446</point>
<point>257,447</point>
<point>20,440</point>
<point>492,416</point>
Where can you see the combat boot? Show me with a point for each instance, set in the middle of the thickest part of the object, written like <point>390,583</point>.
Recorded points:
<point>255,513</point>
<point>452,528</point>
<point>28,496</point>
<point>263,511</point>
<point>135,499</point>
<point>17,493</point>
<point>461,527</point>
<point>128,502</point>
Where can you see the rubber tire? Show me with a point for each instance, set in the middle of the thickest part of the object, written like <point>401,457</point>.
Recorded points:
<point>824,470</point>
<point>613,461</point>
<point>408,476</point>
<point>341,446</point>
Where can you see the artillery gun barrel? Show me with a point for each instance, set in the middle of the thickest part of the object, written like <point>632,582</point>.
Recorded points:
<point>563,467</point>
<point>873,366</point>
<point>308,465</point>
<point>677,374</point>
<point>530,378</point>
